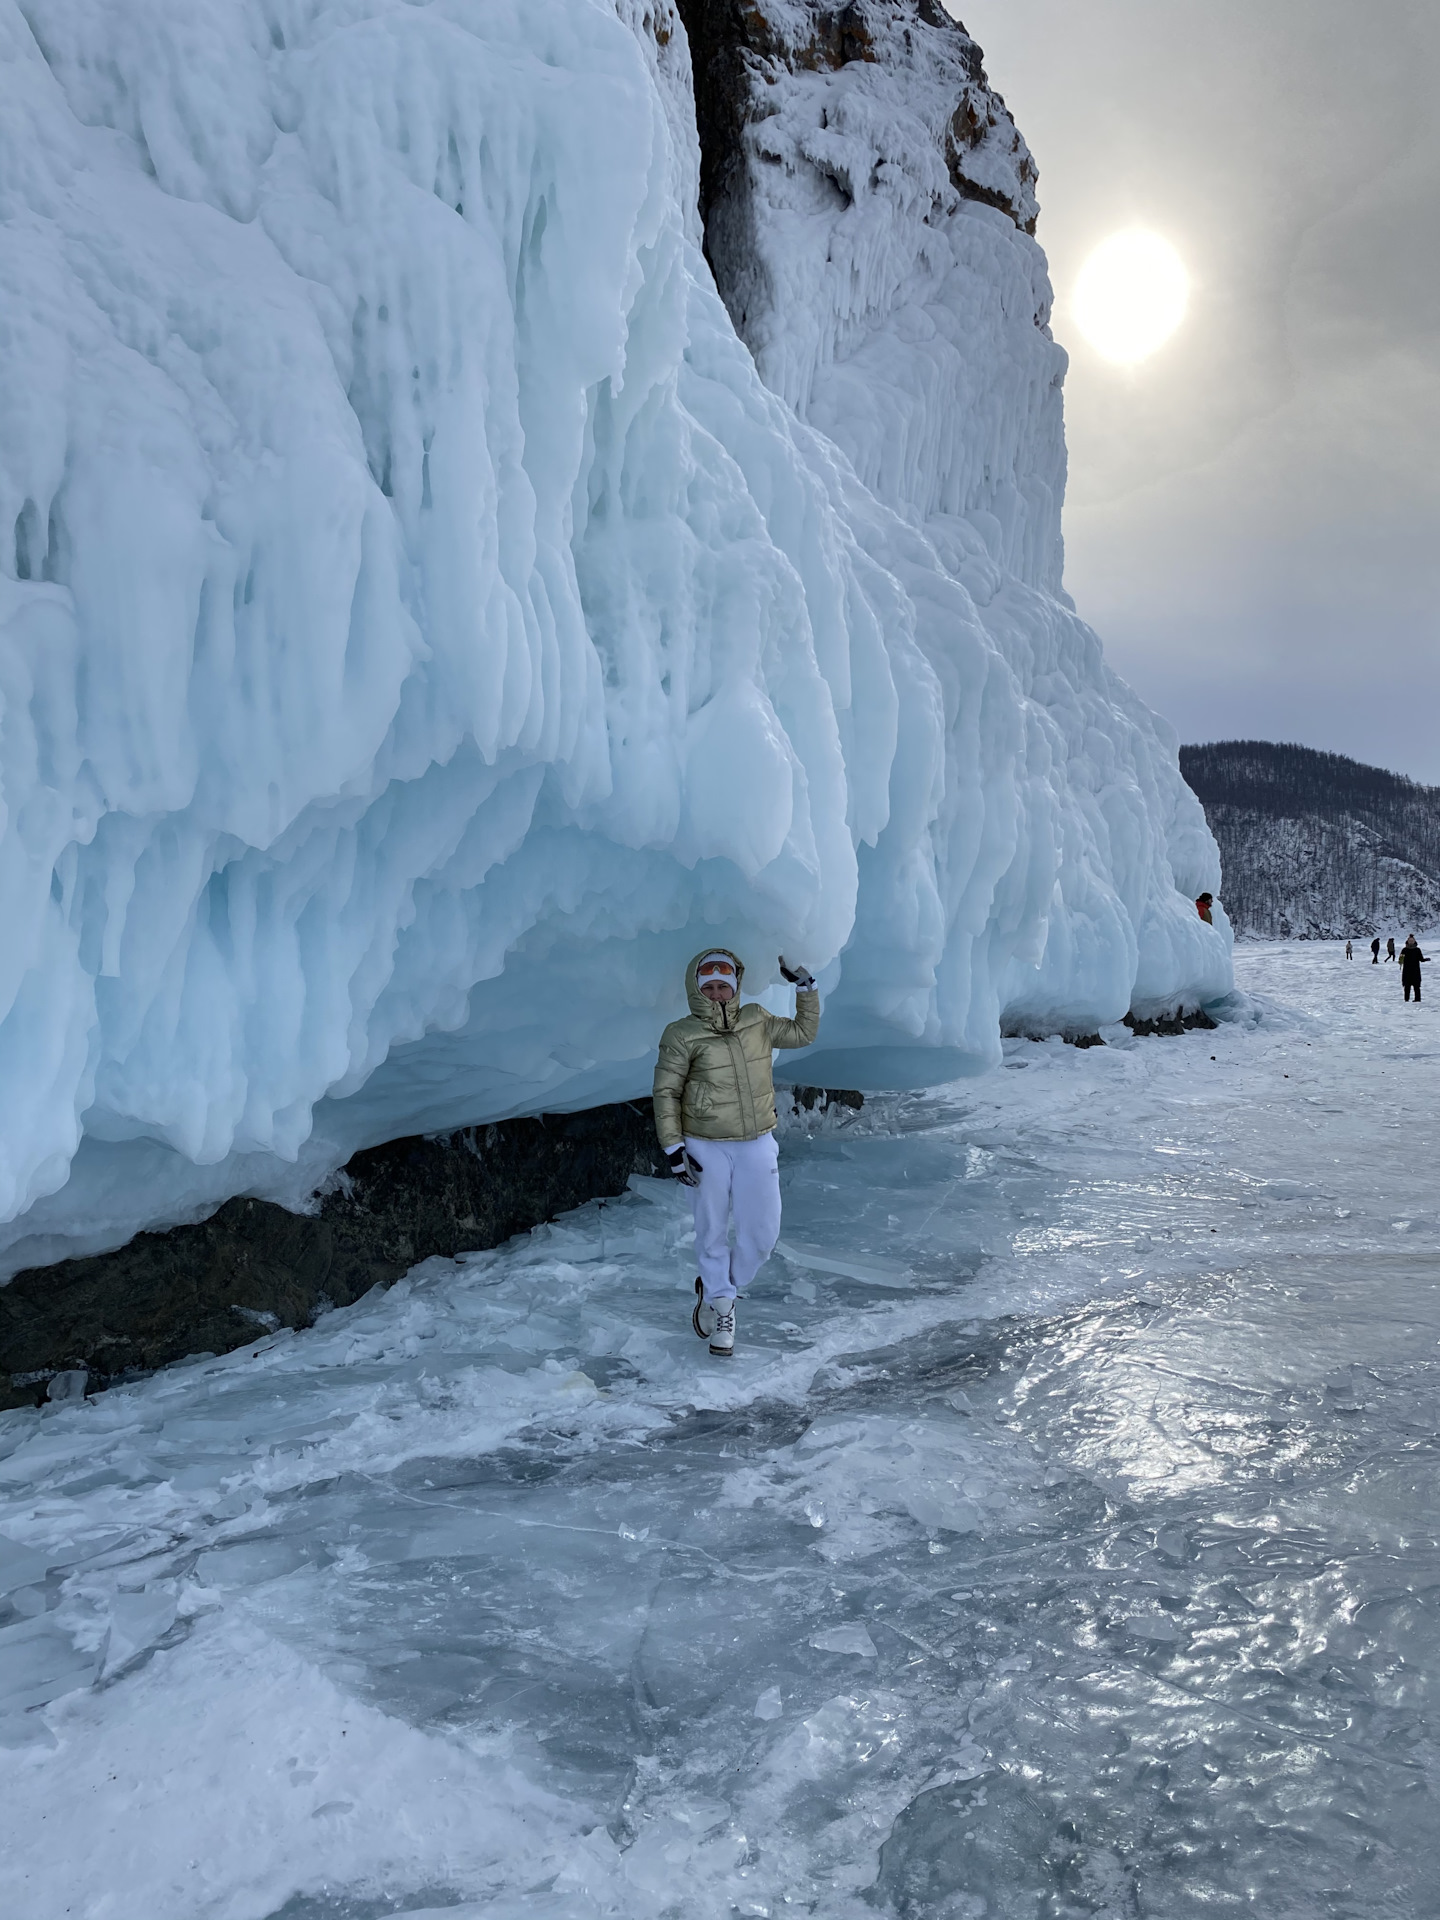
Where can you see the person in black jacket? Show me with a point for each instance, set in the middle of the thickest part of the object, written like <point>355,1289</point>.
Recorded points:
<point>1390,947</point>
<point>1411,960</point>
<point>1375,951</point>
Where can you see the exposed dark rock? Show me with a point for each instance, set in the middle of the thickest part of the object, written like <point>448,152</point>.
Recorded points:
<point>254,1266</point>
<point>1158,1024</point>
<point>725,36</point>
<point>807,1099</point>
<point>1017,1032</point>
<point>1170,1023</point>
<point>979,116</point>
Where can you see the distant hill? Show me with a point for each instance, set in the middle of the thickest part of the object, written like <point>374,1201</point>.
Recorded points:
<point>1314,846</point>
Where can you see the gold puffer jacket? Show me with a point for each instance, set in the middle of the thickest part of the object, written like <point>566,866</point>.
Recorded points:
<point>713,1078</point>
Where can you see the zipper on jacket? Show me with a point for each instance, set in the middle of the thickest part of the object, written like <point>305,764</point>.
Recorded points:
<point>745,1090</point>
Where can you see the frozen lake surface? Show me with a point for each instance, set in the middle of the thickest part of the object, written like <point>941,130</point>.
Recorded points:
<point>1061,1541</point>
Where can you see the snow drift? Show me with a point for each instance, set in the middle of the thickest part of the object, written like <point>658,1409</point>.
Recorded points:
<point>424,619</point>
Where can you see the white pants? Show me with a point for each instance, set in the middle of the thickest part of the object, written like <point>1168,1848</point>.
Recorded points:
<point>743,1175</point>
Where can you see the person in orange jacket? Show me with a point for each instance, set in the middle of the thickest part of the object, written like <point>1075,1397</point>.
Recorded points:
<point>1203,906</point>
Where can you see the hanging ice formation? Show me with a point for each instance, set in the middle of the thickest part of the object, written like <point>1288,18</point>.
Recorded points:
<point>424,617</point>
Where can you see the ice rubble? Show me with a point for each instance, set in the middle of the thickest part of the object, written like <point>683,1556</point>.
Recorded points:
<point>421,623</point>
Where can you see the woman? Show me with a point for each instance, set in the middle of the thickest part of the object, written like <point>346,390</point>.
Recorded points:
<point>715,1115</point>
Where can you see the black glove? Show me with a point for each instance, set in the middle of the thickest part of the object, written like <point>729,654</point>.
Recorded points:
<point>797,976</point>
<point>684,1166</point>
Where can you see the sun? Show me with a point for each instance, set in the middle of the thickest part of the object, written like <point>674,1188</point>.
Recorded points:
<point>1131,295</point>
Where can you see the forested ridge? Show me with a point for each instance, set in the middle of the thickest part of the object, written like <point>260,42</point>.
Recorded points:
<point>1315,845</point>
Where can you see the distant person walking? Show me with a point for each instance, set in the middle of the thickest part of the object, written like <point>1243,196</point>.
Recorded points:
<point>1411,961</point>
<point>1349,951</point>
<point>1203,906</point>
<point>1390,947</point>
<point>1375,951</point>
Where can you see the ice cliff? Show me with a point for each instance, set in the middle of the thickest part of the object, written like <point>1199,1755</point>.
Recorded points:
<point>426,613</point>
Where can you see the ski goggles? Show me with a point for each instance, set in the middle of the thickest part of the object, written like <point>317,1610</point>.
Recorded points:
<point>717,968</point>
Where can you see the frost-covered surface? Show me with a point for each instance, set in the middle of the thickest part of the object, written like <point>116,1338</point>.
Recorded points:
<point>1315,846</point>
<point>883,301</point>
<point>1312,878</point>
<point>419,624</point>
<point>1065,1521</point>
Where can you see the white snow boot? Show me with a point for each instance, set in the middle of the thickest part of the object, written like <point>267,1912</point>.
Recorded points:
<point>703,1318</point>
<point>714,1321</point>
<point>722,1340</point>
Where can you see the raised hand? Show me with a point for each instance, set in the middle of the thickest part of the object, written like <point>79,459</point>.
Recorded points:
<point>797,976</point>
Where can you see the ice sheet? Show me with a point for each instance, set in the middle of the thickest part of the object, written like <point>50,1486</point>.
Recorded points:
<point>1099,1557</point>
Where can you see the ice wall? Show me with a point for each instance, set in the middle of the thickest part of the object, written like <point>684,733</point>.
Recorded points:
<point>870,210</point>
<point>421,624</point>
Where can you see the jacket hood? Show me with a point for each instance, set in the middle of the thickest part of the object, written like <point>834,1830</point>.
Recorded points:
<point>702,1008</point>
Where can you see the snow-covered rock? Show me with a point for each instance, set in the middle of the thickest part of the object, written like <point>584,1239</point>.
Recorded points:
<point>1316,846</point>
<point>422,619</point>
<point>1304,877</point>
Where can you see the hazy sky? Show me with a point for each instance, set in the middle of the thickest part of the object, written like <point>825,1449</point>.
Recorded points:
<point>1253,519</point>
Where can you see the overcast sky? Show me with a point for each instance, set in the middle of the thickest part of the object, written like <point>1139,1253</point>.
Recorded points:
<point>1253,519</point>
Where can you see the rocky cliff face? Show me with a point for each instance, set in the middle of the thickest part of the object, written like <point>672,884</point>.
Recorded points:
<point>836,145</point>
<point>743,51</point>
